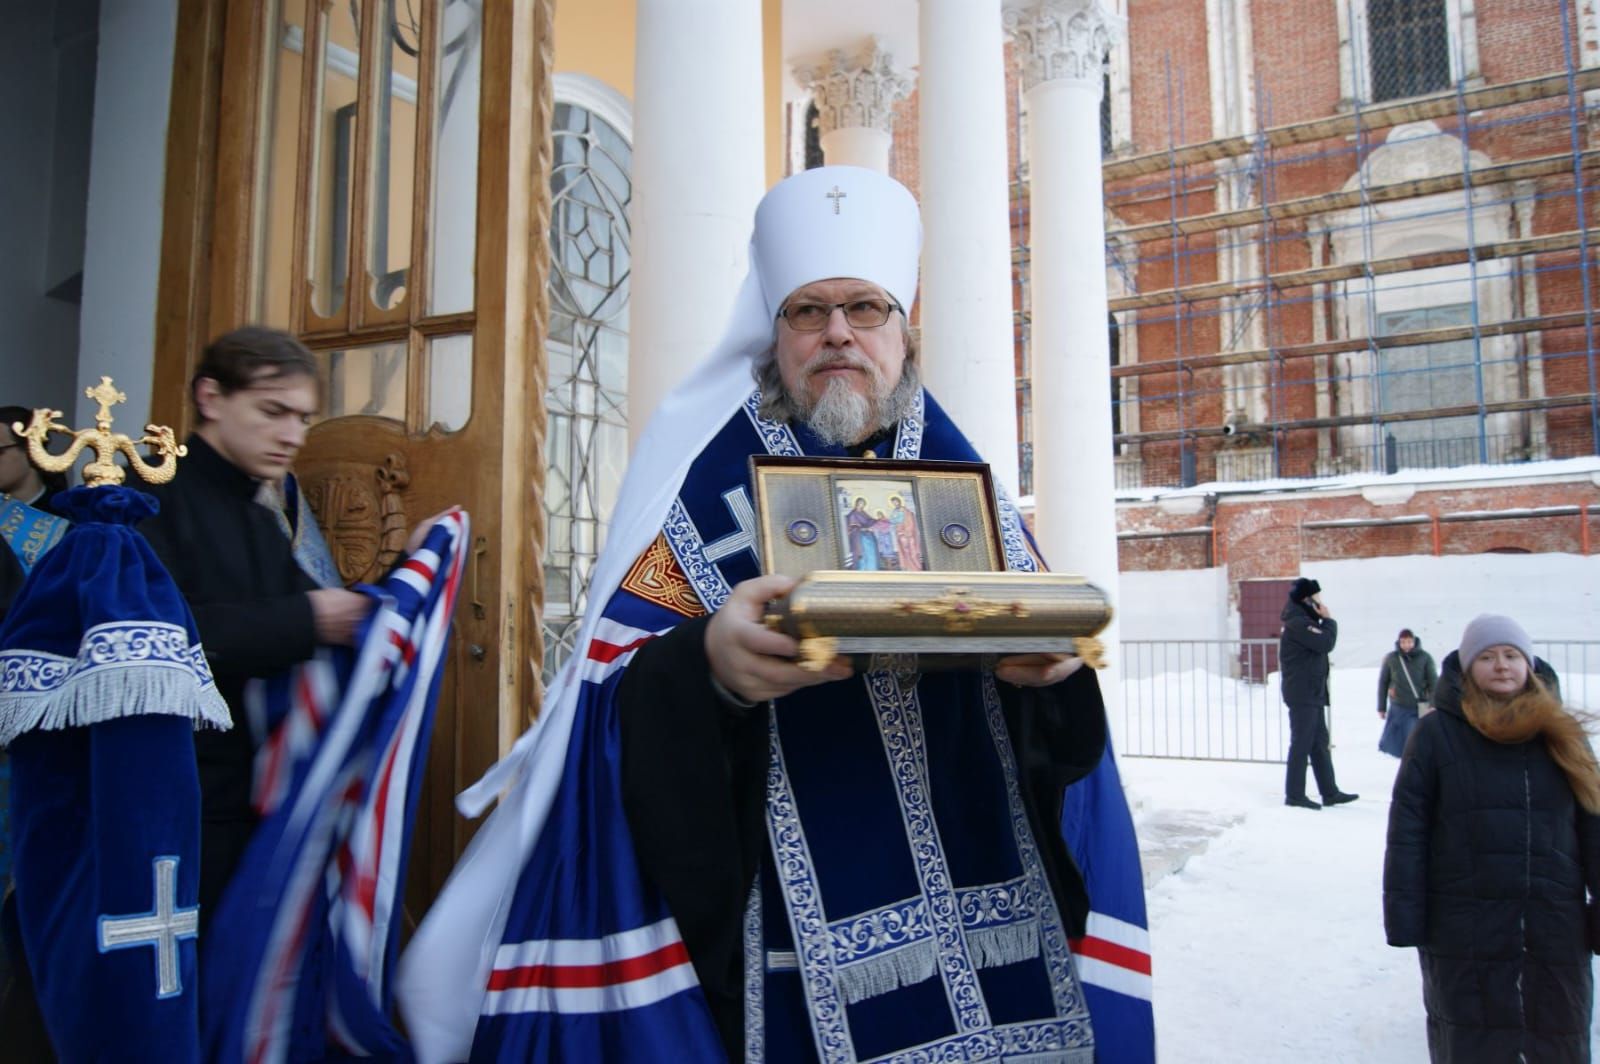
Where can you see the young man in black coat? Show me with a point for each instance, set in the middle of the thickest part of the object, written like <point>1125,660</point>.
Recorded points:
<point>1309,634</point>
<point>255,393</point>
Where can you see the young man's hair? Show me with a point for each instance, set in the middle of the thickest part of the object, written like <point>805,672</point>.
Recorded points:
<point>252,354</point>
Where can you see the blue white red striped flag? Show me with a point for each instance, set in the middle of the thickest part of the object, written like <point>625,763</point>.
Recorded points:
<point>1113,956</point>
<point>299,955</point>
<point>582,960</point>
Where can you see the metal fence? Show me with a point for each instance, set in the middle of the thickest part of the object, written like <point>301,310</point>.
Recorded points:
<point>1201,699</point>
<point>1218,699</point>
<point>1577,665</point>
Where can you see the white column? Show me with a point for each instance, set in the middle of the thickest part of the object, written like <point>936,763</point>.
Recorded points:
<point>698,172</point>
<point>968,337</point>
<point>1061,47</point>
<point>855,96</point>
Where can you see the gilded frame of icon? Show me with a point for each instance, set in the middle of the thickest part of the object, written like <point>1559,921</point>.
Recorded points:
<point>863,515</point>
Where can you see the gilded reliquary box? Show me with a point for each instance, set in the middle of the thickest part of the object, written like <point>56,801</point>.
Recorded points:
<point>906,558</point>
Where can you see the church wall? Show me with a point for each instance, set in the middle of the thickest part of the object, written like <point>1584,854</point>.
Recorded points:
<point>1263,535</point>
<point>1176,604</point>
<point>1297,77</point>
<point>122,252</point>
<point>596,37</point>
<point>47,57</point>
<point>1164,36</point>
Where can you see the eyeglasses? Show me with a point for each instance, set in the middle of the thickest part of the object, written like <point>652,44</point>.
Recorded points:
<point>858,313</point>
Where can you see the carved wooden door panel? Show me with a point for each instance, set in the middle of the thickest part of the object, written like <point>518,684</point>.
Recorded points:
<point>379,190</point>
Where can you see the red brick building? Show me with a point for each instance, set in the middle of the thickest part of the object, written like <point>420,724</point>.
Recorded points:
<point>1351,263</point>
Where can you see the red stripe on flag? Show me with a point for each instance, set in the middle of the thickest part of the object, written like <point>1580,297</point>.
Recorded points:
<point>308,696</point>
<point>408,649</point>
<point>1111,953</point>
<point>418,568</point>
<point>579,976</point>
<point>605,653</point>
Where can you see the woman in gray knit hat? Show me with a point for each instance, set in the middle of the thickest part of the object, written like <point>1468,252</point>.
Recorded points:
<point>1493,863</point>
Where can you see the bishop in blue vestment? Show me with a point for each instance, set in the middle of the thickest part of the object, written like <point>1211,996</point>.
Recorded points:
<point>705,851</point>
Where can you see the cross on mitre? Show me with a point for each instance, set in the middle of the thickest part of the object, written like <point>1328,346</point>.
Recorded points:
<point>836,196</point>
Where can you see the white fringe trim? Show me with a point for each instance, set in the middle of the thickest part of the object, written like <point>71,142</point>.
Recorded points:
<point>992,947</point>
<point>111,693</point>
<point>905,966</point>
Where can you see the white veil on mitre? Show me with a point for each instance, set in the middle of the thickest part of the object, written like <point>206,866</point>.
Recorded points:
<point>833,221</point>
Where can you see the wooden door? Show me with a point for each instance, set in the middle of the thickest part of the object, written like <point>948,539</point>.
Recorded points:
<point>1260,617</point>
<point>376,186</point>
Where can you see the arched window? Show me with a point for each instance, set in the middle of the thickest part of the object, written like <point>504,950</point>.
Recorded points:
<point>587,350</point>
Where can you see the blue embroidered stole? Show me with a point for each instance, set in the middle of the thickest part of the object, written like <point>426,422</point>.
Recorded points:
<point>305,537</point>
<point>29,532</point>
<point>903,905</point>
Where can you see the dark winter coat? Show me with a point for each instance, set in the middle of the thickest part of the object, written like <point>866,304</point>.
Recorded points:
<point>1418,665</point>
<point>1303,650</point>
<point>237,571</point>
<point>1488,862</point>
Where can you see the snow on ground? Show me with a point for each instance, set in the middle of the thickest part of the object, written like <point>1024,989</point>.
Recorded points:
<point>1269,946</point>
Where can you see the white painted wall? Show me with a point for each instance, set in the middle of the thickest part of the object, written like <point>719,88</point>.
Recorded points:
<point>1175,604</point>
<point>46,75</point>
<point>127,167</point>
<point>1554,596</point>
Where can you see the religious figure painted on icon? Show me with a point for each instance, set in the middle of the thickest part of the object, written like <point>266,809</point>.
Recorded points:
<point>879,520</point>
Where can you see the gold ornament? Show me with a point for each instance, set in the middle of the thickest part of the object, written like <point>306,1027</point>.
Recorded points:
<point>104,469</point>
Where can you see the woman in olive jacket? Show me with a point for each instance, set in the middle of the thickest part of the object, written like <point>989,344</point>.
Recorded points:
<point>1493,863</point>
<point>1405,684</point>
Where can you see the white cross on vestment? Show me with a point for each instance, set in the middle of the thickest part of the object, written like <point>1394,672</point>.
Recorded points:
<point>161,928</point>
<point>836,196</point>
<point>744,515</point>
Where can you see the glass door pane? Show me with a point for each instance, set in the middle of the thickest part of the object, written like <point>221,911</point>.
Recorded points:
<point>279,174</point>
<point>333,157</point>
<point>394,151</point>
<point>452,240</point>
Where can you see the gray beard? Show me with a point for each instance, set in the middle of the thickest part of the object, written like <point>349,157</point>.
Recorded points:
<point>843,416</point>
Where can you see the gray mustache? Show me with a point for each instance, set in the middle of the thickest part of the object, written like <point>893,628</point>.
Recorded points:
<point>833,360</point>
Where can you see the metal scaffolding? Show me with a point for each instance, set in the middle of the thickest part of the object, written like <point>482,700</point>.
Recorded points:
<point>1395,285</point>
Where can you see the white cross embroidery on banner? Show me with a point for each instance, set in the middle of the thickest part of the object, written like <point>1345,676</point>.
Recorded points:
<point>161,928</point>
<point>744,515</point>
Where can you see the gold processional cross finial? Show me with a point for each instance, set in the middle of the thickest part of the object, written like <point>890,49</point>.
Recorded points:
<point>104,469</point>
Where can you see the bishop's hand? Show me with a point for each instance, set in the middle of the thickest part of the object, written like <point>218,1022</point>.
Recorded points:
<point>751,660</point>
<point>1036,670</point>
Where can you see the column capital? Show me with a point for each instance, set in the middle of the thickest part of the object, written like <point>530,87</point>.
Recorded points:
<point>1063,40</point>
<point>855,89</point>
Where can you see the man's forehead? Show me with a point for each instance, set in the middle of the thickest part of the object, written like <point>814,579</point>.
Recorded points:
<point>298,391</point>
<point>837,288</point>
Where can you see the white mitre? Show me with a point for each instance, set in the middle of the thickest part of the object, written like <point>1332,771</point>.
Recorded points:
<point>837,221</point>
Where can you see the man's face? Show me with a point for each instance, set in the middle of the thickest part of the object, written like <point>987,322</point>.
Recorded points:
<point>1407,644</point>
<point>868,361</point>
<point>259,428</point>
